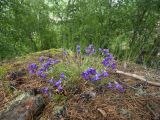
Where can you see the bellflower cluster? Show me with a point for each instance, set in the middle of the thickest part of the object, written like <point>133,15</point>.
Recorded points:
<point>41,72</point>
<point>44,68</point>
<point>90,50</point>
<point>54,84</point>
<point>58,83</point>
<point>109,61</point>
<point>92,75</point>
<point>116,86</point>
<point>32,68</point>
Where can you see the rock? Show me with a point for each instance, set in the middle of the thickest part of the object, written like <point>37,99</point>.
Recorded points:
<point>59,110</point>
<point>24,107</point>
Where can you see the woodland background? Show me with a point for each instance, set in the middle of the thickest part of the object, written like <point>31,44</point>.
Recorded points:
<point>129,28</point>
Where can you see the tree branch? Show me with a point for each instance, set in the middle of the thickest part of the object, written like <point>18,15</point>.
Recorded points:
<point>138,77</point>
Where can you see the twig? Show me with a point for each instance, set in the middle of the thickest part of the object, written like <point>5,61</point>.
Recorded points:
<point>102,112</point>
<point>138,77</point>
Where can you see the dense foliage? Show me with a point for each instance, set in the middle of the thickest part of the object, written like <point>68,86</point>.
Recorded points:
<point>130,28</point>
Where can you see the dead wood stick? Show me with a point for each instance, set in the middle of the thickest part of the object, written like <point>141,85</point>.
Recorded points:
<point>138,77</point>
<point>102,112</point>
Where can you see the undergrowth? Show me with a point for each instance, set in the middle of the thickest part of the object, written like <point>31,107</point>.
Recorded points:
<point>93,67</point>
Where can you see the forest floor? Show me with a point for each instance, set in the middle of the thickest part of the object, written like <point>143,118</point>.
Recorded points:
<point>83,101</point>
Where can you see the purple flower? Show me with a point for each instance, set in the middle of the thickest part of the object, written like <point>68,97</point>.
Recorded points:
<point>49,59</point>
<point>42,69</point>
<point>45,90</point>
<point>110,56</point>
<point>85,75</point>
<point>109,61</point>
<point>105,51</point>
<point>41,59</point>
<point>105,74</point>
<point>90,50</point>
<point>62,75</point>
<point>32,68</point>
<point>41,74</point>
<point>109,85</point>
<point>60,88</point>
<point>78,49</point>
<point>91,71</point>
<point>105,62</point>
<point>32,71</point>
<point>96,77</point>
<point>58,83</point>
<point>46,65</point>
<point>113,66</point>
<point>100,50</point>
<point>119,87</point>
<point>51,81</point>
<point>55,61</point>
<point>64,53</point>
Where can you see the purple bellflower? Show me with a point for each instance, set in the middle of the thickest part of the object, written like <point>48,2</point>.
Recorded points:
<point>55,61</point>
<point>105,62</point>
<point>51,81</point>
<point>32,71</point>
<point>105,51</point>
<point>62,75</point>
<point>113,66</point>
<point>85,75</point>
<point>92,71</point>
<point>60,89</point>
<point>119,87</point>
<point>41,74</point>
<point>45,90</point>
<point>105,74</point>
<point>109,85</point>
<point>96,77</point>
<point>90,50</point>
<point>78,49</point>
<point>41,59</point>
<point>65,53</point>
<point>32,68</point>
<point>58,83</point>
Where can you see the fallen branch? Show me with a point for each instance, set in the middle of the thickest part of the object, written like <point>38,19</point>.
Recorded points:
<point>102,112</point>
<point>138,77</point>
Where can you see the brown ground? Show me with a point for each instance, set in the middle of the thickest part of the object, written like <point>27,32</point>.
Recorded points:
<point>140,101</point>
